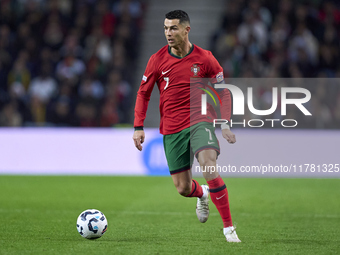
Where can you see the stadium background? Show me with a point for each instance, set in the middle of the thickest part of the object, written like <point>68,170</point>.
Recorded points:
<point>69,72</point>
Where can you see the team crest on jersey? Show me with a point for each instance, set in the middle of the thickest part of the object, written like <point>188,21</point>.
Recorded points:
<point>195,69</point>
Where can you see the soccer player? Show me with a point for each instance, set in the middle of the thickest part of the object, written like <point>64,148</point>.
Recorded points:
<point>171,68</point>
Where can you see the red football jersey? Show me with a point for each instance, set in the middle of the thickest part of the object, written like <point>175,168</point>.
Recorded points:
<point>172,75</point>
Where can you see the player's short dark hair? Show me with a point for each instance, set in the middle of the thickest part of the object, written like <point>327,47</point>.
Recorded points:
<point>178,14</point>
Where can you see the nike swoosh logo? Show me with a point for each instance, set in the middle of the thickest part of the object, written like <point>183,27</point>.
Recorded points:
<point>218,198</point>
<point>166,72</point>
<point>211,142</point>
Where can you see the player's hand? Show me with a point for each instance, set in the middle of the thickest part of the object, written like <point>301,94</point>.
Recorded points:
<point>138,139</point>
<point>229,136</point>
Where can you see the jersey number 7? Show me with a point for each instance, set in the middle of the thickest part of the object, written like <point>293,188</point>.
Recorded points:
<point>167,82</point>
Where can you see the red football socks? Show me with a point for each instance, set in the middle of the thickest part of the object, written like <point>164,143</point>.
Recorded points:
<point>196,190</point>
<point>219,196</point>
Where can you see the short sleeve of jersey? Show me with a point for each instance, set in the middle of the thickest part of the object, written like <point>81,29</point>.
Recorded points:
<point>214,70</point>
<point>149,77</point>
<point>144,92</point>
<point>215,73</point>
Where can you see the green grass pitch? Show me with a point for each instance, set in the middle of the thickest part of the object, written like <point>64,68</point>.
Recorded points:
<point>147,216</point>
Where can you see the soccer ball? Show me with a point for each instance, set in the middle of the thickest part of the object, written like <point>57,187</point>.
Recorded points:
<point>91,224</point>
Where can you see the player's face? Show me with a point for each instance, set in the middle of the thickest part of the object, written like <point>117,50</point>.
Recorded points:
<point>175,32</point>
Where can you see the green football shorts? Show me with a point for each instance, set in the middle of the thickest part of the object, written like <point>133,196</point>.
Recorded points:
<point>181,147</point>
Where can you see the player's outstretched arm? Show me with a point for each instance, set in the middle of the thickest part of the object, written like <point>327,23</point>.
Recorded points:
<point>138,139</point>
<point>229,136</point>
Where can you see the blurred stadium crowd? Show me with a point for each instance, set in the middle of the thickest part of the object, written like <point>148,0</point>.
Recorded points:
<point>67,63</point>
<point>285,39</point>
<point>70,63</point>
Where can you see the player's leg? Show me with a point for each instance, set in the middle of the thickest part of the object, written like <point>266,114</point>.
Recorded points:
<point>217,187</point>
<point>178,154</point>
<point>185,185</point>
<point>206,149</point>
<point>201,138</point>
<point>218,191</point>
<point>182,182</point>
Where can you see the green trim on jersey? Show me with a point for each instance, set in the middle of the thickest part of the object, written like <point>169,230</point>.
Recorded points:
<point>181,147</point>
<point>169,50</point>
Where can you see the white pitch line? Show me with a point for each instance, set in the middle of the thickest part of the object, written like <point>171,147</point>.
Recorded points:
<point>29,210</point>
<point>161,213</point>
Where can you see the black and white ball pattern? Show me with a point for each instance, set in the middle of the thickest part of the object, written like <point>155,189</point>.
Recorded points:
<point>91,224</point>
